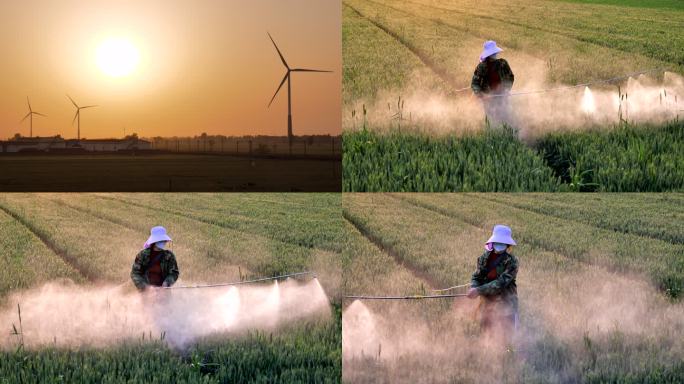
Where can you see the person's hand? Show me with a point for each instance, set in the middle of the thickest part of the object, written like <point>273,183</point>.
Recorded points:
<point>472,293</point>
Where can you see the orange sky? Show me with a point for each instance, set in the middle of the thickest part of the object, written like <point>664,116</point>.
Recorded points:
<point>205,66</point>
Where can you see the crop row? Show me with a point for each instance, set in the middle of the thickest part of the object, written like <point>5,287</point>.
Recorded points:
<point>450,33</point>
<point>657,215</point>
<point>302,220</point>
<point>101,238</point>
<point>620,252</point>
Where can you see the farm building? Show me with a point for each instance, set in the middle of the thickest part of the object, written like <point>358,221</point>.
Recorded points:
<point>109,145</point>
<point>26,144</point>
<point>57,143</point>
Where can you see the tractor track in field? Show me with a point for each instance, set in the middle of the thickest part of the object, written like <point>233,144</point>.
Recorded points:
<point>516,24</point>
<point>532,242</point>
<point>62,254</point>
<point>593,225</point>
<point>423,56</point>
<point>396,256</point>
<point>580,259</point>
<point>90,213</point>
<point>118,222</point>
<point>210,222</point>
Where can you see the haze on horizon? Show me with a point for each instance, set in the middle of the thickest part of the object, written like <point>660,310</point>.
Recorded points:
<point>169,67</point>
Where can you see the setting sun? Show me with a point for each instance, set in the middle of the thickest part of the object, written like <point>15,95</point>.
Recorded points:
<point>117,57</point>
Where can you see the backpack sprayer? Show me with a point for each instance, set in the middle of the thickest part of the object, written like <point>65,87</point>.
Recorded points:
<point>280,277</point>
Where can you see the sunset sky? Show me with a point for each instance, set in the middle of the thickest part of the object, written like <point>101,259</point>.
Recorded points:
<point>168,67</point>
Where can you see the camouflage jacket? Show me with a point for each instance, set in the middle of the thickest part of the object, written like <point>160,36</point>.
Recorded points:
<point>169,268</point>
<point>480,82</point>
<point>503,287</point>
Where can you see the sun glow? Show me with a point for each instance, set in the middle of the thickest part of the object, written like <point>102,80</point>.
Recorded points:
<point>117,57</point>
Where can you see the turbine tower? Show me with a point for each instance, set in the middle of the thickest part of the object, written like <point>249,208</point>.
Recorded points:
<point>77,116</point>
<point>30,116</point>
<point>289,89</point>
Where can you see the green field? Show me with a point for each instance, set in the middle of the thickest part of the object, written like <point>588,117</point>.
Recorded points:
<point>666,4</point>
<point>600,287</point>
<point>406,63</point>
<point>91,239</point>
<point>626,159</point>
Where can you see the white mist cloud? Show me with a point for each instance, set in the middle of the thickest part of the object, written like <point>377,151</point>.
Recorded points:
<point>66,314</point>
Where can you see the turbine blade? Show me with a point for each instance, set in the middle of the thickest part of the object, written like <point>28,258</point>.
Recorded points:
<point>88,106</point>
<point>309,70</point>
<point>75,116</point>
<point>39,114</point>
<point>278,90</point>
<point>72,101</point>
<point>279,54</point>
<point>27,115</point>
<point>28,102</point>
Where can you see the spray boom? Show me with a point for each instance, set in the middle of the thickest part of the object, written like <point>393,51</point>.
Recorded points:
<point>313,276</point>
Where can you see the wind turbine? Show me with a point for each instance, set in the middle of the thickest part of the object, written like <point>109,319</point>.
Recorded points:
<point>30,116</point>
<point>77,116</point>
<point>289,89</point>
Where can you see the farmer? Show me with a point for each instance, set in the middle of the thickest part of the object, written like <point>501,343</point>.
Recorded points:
<point>155,266</point>
<point>494,282</point>
<point>492,81</point>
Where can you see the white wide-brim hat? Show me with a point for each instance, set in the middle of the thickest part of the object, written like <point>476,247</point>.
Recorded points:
<point>157,234</point>
<point>490,48</point>
<point>501,234</point>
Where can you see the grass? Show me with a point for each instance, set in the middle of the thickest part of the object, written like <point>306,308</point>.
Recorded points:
<point>626,159</point>
<point>307,354</point>
<point>580,287</point>
<point>94,238</point>
<point>493,161</point>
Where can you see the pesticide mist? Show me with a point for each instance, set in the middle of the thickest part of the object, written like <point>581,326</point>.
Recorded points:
<point>65,314</point>
<point>599,322</point>
<point>641,99</point>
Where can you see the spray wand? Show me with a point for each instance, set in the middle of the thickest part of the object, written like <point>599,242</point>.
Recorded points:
<point>280,277</point>
<point>450,288</point>
<point>414,297</point>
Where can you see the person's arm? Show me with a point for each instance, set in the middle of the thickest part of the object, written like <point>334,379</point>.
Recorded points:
<point>507,75</point>
<point>478,275</point>
<point>502,282</point>
<point>137,274</point>
<point>478,80</point>
<point>173,272</point>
